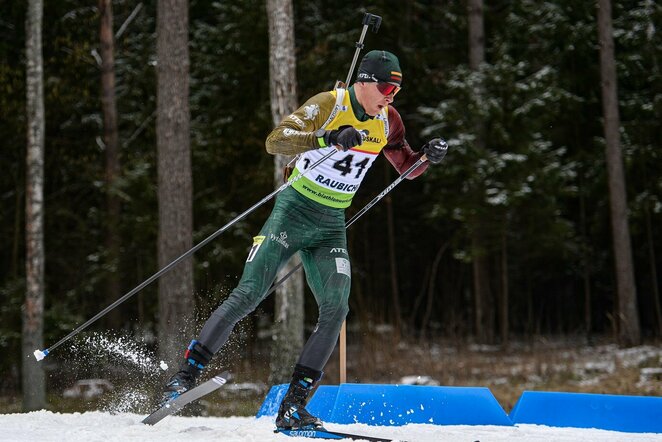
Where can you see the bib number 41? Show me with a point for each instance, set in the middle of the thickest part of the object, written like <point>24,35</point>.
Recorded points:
<point>345,166</point>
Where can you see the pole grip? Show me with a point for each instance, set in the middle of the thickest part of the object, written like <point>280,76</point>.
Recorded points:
<point>372,20</point>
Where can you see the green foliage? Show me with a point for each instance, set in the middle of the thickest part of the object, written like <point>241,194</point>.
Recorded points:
<point>537,101</point>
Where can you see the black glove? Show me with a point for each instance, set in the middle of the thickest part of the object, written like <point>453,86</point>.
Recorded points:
<point>345,136</point>
<point>435,150</point>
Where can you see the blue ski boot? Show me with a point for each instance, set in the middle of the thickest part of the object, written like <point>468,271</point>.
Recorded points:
<point>292,413</point>
<point>197,356</point>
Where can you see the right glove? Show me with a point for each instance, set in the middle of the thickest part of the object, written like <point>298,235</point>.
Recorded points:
<point>344,137</point>
<point>435,150</point>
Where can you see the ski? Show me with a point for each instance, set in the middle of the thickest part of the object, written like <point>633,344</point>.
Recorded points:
<point>173,406</point>
<point>323,433</point>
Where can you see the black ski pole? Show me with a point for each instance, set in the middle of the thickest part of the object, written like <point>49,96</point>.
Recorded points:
<point>41,354</point>
<point>369,20</point>
<point>357,215</point>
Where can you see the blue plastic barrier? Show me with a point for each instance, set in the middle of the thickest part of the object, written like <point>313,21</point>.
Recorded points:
<point>633,414</point>
<point>376,404</point>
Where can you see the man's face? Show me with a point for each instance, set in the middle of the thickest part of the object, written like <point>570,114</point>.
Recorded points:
<point>372,100</point>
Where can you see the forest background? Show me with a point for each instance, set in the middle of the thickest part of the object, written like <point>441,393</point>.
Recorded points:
<point>518,214</point>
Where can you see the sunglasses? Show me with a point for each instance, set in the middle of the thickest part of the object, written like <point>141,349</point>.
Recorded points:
<point>388,88</point>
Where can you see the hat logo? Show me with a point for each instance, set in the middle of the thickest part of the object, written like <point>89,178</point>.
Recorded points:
<point>366,76</point>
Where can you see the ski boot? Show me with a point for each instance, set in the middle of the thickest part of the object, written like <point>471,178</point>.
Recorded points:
<point>197,356</point>
<point>292,413</point>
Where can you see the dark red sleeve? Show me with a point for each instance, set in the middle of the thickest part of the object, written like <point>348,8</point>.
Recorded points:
<point>397,150</point>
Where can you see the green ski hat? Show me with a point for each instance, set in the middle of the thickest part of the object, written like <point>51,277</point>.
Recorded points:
<point>380,66</point>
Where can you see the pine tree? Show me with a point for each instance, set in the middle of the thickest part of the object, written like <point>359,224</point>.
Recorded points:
<point>175,188</point>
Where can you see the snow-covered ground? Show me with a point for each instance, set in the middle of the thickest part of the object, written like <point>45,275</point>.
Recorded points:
<point>596,365</point>
<point>45,426</point>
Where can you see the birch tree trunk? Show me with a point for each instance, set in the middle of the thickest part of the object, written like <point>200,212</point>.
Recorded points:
<point>110,141</point>
<point>629,333</point>
<point>34,380</point>
<point>289,308</point>
<point>175,188</point>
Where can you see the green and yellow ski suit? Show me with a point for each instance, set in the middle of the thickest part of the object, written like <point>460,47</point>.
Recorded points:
<point>309,216</point>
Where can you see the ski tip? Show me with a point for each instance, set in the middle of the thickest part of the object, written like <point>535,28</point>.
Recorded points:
<point>40,355</point>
